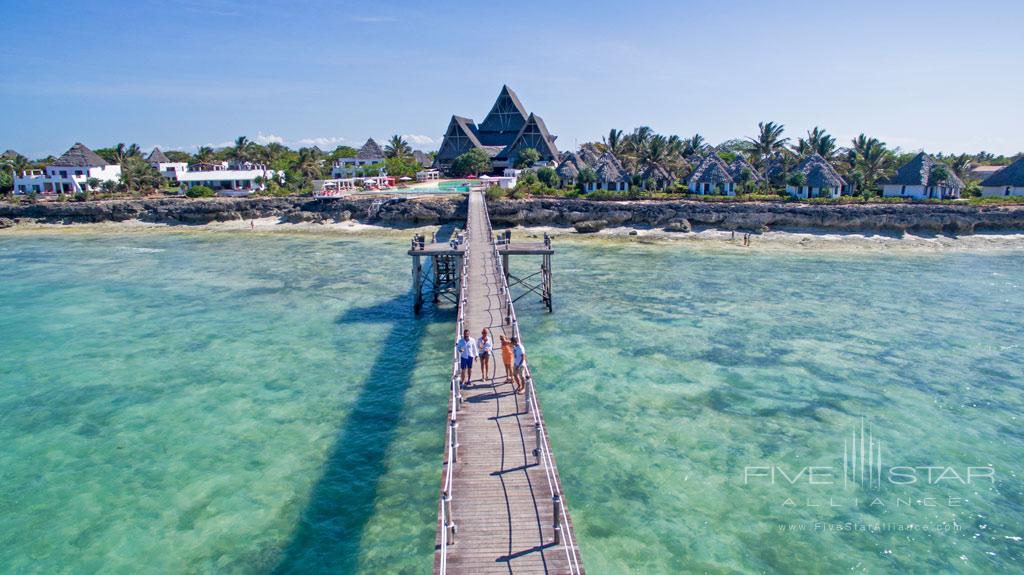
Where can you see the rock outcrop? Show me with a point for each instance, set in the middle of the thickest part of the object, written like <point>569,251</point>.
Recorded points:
<point>584,215</point>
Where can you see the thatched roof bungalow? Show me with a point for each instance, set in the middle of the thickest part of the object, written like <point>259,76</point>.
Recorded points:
<point>742,172</point>
<point>712,177</point>
<point>814,177</point>
<point>611,175</point>
<point>1008,181</point>
<point>923,178</point>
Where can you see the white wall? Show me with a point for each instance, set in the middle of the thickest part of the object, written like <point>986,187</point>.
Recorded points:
<point>64,179</point>
<point>808,192</point>
<point>1001,191</point>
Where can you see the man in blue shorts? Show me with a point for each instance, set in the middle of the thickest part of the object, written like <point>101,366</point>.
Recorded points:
<point>467,351</point>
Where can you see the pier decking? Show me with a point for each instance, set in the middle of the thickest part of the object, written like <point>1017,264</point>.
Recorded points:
<point>502,508</point>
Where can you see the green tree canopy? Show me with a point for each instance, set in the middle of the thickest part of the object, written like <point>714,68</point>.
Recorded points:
<point>475,161</point>
<point>526,158</point>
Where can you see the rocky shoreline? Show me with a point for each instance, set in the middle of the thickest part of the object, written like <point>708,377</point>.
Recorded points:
<point>585,216</point>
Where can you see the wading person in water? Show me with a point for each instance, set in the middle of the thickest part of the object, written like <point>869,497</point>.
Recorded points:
<point>467,351</point>
<point>506,357</point>
<point>518,365</point>
<point>485,346</point>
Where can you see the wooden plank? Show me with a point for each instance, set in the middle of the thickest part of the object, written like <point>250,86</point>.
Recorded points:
<point>501,495</point>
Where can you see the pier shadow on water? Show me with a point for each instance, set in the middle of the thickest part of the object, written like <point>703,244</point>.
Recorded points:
<point>331,528</point>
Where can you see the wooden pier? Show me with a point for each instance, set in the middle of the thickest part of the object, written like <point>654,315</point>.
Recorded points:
<point>502,508</point>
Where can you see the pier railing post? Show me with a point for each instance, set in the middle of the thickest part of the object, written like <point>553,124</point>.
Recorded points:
<point>556,506</point>
<point>537,443</point>
<point>528,395</point>
<point>455,440</point>
<point>449,524</point>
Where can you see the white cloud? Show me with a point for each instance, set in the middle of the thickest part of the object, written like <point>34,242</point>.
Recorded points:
<point>264,139</point>
<point>419,139</point>
<point>322,142</point>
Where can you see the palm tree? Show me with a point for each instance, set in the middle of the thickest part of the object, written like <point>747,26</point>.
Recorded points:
<point>961,166</point>
<point>655,152</point>
<point>818,142</point>
<point>614,142</point>
<point>242,148</point>
<point>133,151</point>
<point>309,164</point>
<point>204,154</point>
<point>397,147</point>
<point>120,153</point>
<point>768,143</point>
<point>870,158</point>
<point>694,145</point>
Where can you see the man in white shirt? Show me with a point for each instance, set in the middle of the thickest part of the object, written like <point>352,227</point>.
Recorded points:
<point>467,351</point>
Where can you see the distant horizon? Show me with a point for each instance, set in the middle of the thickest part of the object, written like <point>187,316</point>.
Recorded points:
<point>329,75</point>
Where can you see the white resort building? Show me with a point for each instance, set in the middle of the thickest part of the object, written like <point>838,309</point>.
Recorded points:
<point>165,166</point>
<point>68,174</point>
<point>428,175</point>
<point>368,155</point>
<point>1008,181</point>
<point>228,180</point>
<point>819,179</point>
<point>712,177</point>
<point>923,178</point>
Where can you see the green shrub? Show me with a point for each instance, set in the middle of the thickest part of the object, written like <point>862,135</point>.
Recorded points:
<point>200,192</point>
<point>493,193</point>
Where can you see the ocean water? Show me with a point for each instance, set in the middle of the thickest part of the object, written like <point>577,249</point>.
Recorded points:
<point>249,403</point>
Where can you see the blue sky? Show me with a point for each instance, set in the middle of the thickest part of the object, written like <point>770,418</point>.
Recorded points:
<point>939,75</point>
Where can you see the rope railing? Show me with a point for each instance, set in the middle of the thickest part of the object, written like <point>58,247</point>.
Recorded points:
<point>451,436</point>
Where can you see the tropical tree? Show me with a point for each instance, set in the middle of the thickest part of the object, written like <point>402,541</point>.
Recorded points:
<point>526,158</point>
<point>694,145</point>
<point>309,164</point>
<point>204,154</point>
<point>587,176</point>
<point>475,161</point>
<point>397,147</point>
<point>768,143</point>
<point>961,165</point>
<point>614,142</point>
<point>242,149</point>
<point>819,142</point>
<point>871,159</point>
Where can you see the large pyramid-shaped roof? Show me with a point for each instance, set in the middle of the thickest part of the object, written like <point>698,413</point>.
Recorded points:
<point>507,114</point>
<point>78,156</point>
<point>459,138</point>
<point>534,134</point>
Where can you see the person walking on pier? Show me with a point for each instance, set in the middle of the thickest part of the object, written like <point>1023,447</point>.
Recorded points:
<point>467,351</point>
<point>506,357</point>
<point>519,365</point>
<point>485,346</point>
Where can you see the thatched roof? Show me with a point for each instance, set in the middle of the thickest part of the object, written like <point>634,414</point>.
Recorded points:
<point>711,170</point>
<point>918,172</point>
<point>10,155</point>
<point>569,168</point>
<point>736,169</point>
<point>78,156</point>
<point>1012,175</point>
<point>158,157</point>
<point>506,115</point>
<point>658,173</point>
<point>609,169</point>
<point>534,134</point>
<point>370,151</point>
<point>420,157</point>
<point>820,173</point>
<point>589,154</point>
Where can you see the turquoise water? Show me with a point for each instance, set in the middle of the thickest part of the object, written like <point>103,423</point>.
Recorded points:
<point>206,402</point>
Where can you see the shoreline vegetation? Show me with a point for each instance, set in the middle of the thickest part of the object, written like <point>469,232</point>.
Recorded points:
<point>774,224</point>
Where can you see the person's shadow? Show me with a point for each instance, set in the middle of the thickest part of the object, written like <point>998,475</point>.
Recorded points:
<point>329,535</point>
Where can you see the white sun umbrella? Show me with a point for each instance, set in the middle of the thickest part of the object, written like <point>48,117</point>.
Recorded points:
<point>404,179</point>
<point>485,177</point>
